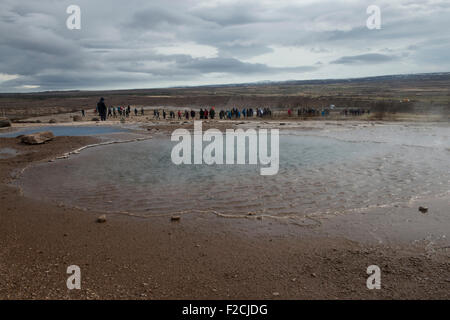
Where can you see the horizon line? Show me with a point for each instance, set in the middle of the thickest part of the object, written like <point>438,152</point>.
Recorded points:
<point>260,82</point>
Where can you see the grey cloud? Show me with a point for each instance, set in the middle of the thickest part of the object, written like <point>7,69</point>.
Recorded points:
<point>365,58</point>
<point>161,17</point>
<point>119,41</point>
<point>243,51</point>
<point>230,65</point>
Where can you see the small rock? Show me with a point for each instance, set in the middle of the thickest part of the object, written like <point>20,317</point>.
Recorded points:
<point>175,218</point>
<point>101,219</point>
<point>77,118</point>
<point>37,138</point>
<point>313,275</point>
<point>423,209</point>
<point>276,294</point>
<point>52,121</point>
<point>5,122</point>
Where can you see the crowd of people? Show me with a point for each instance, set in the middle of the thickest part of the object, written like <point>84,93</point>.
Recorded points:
<point>355,112</point>
<point>302,112</point>
<point>210,113</point>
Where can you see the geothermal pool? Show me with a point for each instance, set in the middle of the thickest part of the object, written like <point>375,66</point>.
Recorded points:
<point>320,173</point>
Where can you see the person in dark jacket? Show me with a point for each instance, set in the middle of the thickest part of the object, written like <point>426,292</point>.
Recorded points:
<point>101,107</point>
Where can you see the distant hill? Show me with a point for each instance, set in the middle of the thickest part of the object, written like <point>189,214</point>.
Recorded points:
<point>427,92</point>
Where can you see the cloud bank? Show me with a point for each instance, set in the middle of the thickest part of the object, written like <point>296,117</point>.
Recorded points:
<point>143,44</point>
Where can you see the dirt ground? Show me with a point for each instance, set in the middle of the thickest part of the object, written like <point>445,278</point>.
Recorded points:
<point>198,257</point>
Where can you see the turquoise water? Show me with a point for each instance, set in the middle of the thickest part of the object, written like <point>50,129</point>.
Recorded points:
<point>65,131</point>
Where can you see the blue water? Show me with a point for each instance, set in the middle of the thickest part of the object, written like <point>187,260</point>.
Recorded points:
<point>65,131</point>
<point>316,175</point>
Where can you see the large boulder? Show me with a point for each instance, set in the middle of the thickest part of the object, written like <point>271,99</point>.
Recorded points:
<point>5,122</point>
<point>37,138</point>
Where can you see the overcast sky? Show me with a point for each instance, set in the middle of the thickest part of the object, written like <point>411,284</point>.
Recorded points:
<point>145,44</point>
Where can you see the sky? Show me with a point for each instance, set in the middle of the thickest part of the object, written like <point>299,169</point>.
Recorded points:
<point>165,43</point>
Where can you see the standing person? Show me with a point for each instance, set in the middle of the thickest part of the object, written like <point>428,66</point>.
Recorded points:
<point>101,107</point>
<point>135,111</point>
<point>83,113</point>
<point>142,111</point>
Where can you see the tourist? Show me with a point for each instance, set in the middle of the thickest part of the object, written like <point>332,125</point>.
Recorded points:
<point>101,107</point>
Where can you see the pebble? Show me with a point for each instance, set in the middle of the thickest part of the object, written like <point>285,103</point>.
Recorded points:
<point>423,209</point>
<point>101,219</point>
